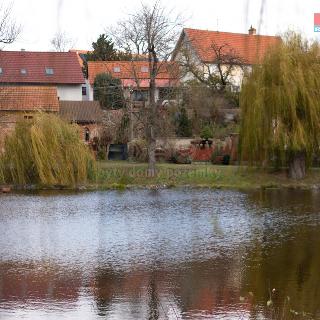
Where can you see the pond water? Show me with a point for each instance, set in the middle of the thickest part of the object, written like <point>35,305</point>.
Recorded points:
<point>171,254</point>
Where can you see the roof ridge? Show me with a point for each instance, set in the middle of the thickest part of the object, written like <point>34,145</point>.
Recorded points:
<point>27,51</point>
<point>235,33</point>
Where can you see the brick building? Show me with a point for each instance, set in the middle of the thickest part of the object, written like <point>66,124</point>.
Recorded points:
<point>18,102</point>
<point>87,114</point>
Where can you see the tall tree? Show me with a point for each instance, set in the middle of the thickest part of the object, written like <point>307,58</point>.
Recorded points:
<point>151,31</point>
<point>104,50</point>
<point>61,42</point>
<point>280,106</point>
<point>9,29</point>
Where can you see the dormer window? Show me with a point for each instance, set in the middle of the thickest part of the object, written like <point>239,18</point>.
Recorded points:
<point>116,69</point>
<point>23,71</point>
<point>1,71</point>
<point>49,71</point>
<point>144,69</point>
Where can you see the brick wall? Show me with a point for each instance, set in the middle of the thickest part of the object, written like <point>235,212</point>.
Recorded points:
<point>7,125</point>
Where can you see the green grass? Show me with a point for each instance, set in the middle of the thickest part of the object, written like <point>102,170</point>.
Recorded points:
<point>120,175</point>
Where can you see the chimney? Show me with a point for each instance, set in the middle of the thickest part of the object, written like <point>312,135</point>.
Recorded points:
<point>252,31</point>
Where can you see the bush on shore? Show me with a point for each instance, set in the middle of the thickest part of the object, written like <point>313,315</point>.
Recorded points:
<point>46,150</point>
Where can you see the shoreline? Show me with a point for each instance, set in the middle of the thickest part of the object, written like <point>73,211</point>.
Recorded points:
<point>131,176</point>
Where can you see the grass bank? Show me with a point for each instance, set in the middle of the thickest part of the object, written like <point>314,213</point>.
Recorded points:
<point>120,175</point>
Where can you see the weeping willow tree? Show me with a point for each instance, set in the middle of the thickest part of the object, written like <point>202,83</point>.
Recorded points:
<point>280,107</point>
<point>46,150</point>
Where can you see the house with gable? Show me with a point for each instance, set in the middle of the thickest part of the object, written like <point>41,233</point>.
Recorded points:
<point>56,69</point>
<point>204,50</point>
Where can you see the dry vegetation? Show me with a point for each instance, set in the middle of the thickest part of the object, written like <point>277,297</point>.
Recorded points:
<point>47,151</point>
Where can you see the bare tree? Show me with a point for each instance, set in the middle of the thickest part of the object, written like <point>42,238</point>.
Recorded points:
<point>151,31</point>
<point>61,42</point>
<point>216,74</point>
<point>9,29</point>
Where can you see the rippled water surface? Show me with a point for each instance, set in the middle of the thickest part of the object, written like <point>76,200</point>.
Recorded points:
<point>173,254</point>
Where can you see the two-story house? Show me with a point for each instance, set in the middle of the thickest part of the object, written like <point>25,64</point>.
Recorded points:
<point>58,69</point>
<point>213,52</point>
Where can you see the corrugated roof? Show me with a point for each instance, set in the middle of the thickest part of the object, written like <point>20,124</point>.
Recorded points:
<point>65,66</point>
<point>131,69</point>
<point>81,111</point>
<point>29,98</point>
<point>251,48</point>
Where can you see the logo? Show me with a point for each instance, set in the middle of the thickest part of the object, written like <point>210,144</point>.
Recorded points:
<point>317,22</point>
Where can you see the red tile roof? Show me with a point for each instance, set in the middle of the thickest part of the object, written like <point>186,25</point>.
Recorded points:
<point>80,54</point>
<point>29,98</point>
<point>65,65</point>
<point>129,71</point>
<point>251,48</point>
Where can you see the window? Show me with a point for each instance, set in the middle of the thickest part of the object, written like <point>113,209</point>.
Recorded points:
<point>23,71</point>
<point>116,69</point>
<point>28,117</point>
<point>140,95</point>
<point>86,134</point>
<point>144,69</point>
<point>1,71</point>
<point>84,91</point>
<point>49,71</point>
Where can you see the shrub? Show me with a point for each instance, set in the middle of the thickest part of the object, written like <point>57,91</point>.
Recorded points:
<point>206,133</point>
<point>180,158</point>
<point>217,154</point>
<point>138,150</point>
<point>46,150</point>
<point>101,154</point>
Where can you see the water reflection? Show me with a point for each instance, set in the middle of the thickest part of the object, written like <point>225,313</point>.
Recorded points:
<point>159,255</point>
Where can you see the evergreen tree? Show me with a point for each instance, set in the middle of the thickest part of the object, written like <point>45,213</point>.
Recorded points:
<point>103,50</point>
<point>108,91</point>
<point>184,127</point>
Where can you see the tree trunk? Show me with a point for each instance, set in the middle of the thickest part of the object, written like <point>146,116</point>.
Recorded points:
<point>151,139</point>
<point>151,153</point>
<point>297,165</point>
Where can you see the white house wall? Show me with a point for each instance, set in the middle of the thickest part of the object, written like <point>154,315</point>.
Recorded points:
<point>70,92</point>
<point>90,88</point>
<point>236,76</point>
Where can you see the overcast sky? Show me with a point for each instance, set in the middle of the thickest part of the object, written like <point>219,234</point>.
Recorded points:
<point>84,20</point>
